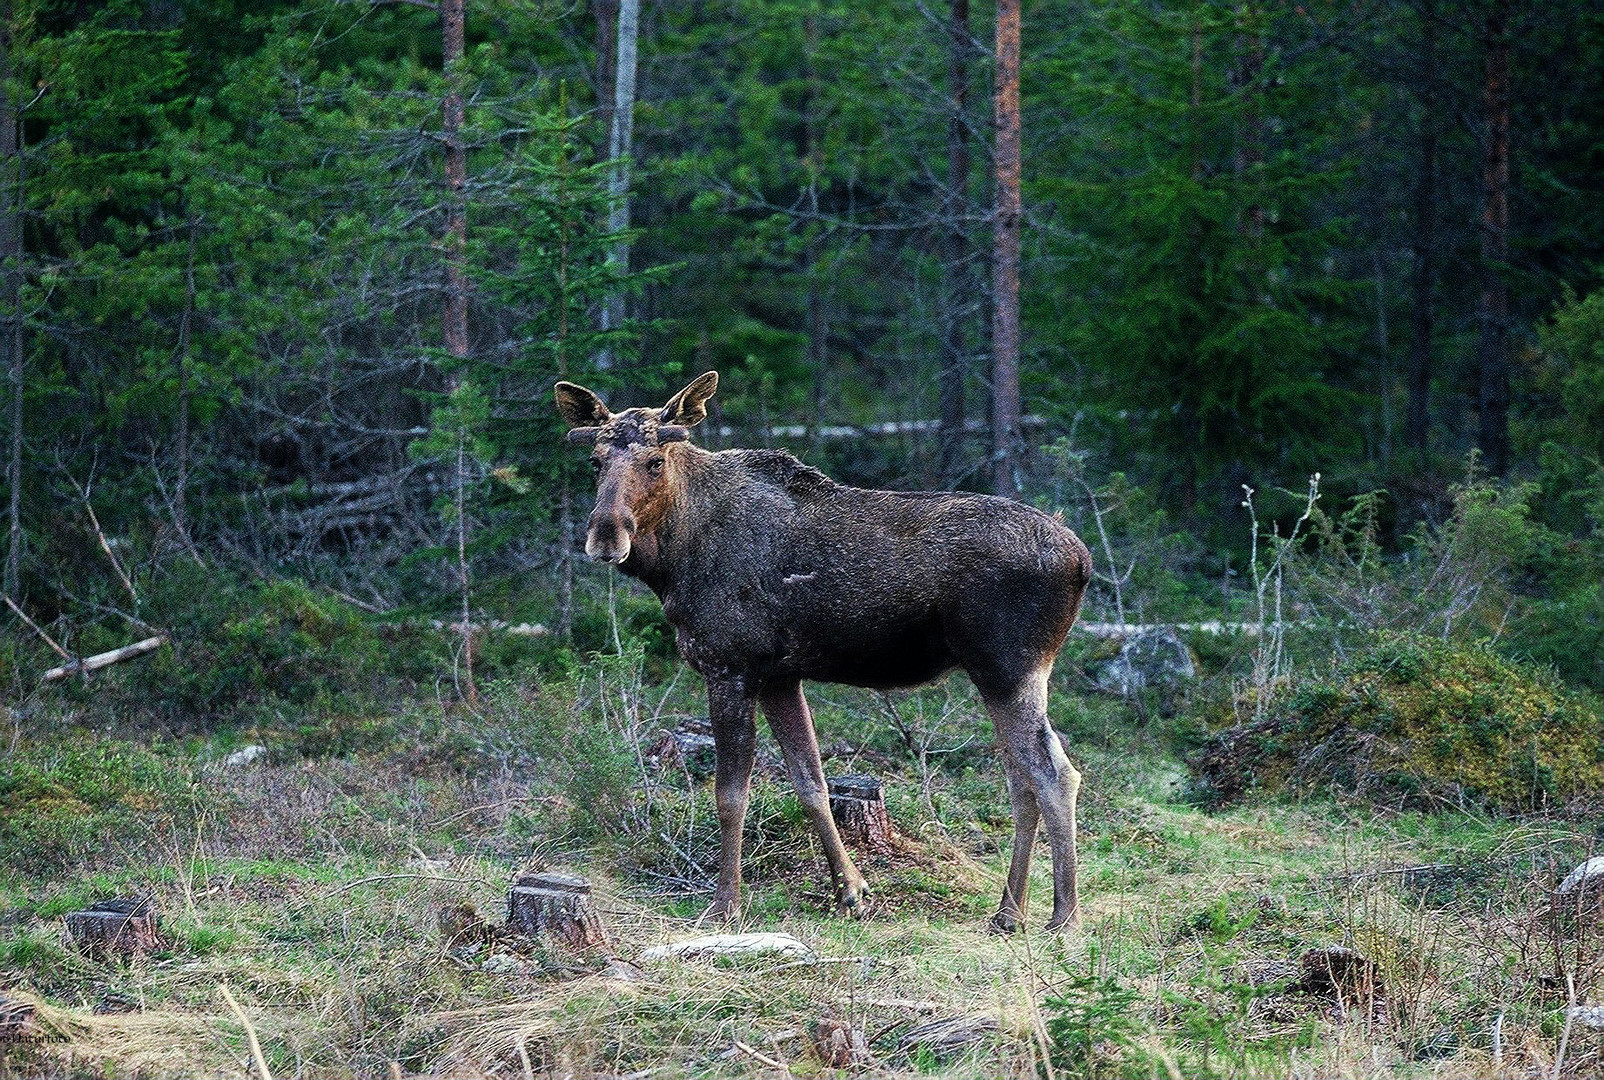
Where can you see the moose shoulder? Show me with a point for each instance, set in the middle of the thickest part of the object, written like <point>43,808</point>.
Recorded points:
<point>772,573</point>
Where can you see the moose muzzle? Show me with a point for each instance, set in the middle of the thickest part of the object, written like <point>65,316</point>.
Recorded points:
<point>610,530</point>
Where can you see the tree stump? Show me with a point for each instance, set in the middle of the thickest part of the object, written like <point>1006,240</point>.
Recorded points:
<point>858,804</point>
<point>119,926</point>
<point>555,906</point>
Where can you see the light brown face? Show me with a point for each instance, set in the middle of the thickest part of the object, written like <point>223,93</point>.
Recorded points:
<point>632,453</point>
<point>634,484</point>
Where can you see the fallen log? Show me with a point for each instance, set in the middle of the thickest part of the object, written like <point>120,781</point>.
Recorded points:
<point>105,659</point>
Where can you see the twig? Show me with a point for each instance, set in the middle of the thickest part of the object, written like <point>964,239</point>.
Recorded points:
<point>761,1058</point>
<point>1570,1019</point>
<point>250,1033</point>
<point>523,1059</point>
<point>23,615</point>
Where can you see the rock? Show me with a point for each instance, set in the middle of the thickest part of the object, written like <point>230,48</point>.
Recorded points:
<point>120,926</point>
<point>1586,878</point>
<point>245,755</point>
<point>1589,1016</point>
<point>732,945</point>
<point>622,970</point>
<point>1151,656</point>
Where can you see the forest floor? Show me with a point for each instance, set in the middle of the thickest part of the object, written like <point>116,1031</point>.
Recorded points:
<point>310,883</point>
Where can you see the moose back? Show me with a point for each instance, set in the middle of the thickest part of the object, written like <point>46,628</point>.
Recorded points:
<point>772,573</point>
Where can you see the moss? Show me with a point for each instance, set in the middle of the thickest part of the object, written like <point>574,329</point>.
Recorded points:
<point>1415,719</point>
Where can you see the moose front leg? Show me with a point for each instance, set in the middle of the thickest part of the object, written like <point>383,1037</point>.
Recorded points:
<point>792,724</point>
<point>733,713</point>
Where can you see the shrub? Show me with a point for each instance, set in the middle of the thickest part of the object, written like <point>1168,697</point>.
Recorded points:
<point>1417,719</point>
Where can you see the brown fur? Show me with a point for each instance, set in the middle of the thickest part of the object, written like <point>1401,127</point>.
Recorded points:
<point>772,573</point>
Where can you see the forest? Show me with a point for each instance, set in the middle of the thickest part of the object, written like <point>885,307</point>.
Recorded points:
<point>1294,312</point>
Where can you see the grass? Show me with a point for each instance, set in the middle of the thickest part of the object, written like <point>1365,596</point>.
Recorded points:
<point>309,885</point>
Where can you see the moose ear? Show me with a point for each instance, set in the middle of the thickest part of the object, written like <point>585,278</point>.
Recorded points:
<point>580,407</point>
<point>689,407</point>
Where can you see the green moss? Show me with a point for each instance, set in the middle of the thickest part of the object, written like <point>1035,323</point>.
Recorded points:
<point>1415,719</point>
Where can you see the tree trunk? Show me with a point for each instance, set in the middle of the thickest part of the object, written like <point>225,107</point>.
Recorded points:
<point>619,144</point>
<point>955,256</point>
<point>1417,416</point>
<point>1494,313</point>
<point>120,927</point>
<point>858,805</point>
<point>1248,79</point>
<point>455,321</point>
<point>555,906</point>
<point>605,12</point>
<point>1006,215</point>
<point>181,450</point>
<point>11,187</point>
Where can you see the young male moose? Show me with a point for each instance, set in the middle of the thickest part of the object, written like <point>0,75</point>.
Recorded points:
<point>772,573</point>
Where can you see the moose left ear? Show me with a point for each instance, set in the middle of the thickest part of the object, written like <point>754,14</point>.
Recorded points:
<point>689,407</point>
<point>579,406</point>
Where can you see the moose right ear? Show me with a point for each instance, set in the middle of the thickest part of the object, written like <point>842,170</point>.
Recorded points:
<point>689,407</point>
<point>579,406</point>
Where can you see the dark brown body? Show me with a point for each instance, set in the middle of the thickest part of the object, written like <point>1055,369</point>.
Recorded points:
<point>771,573</point>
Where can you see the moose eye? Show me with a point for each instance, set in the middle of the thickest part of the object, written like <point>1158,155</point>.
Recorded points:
<point>655,465</point>
<point>595,465</point>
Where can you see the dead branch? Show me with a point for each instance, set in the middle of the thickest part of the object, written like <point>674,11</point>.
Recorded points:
<point>23,615</point>
<point>105,659</point>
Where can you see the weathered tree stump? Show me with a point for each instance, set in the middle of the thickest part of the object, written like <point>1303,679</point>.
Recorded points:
<point>858,804</point>
<point>120,926</point>
<point>555,906</point>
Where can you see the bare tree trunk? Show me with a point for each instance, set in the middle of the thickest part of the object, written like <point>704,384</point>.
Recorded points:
<point>955,260</point>
<point>1005,257</point>
<point>455,321</point>
<point>1250,141</point>
<point>1494,313</point>
<point>454,330</point>
<point>605,12</point>
<point>619,145</point>
<point>565,496</point>
<point>11,188</point>
<point>818,314</point>
<point>1417,415</point>
<point>181,450</point>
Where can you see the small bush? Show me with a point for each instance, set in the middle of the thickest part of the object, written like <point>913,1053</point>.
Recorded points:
<point>1413,719</point>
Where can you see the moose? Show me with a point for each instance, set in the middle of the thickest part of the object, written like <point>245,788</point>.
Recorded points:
<point>772,573</point>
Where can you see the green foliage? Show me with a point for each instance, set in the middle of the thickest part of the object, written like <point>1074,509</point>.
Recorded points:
<point>59,803</point>
<point>1093,1026</point>
<point>1417,719</point>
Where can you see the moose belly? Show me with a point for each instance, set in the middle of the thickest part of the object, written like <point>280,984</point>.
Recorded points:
<point>882,662</point>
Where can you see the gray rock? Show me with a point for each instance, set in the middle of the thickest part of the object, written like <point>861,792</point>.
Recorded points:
<point>1148,656</point>
<point>1585,878</point>
<point>245,755</point>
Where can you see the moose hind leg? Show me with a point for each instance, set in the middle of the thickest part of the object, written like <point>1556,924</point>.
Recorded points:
<point>733,713</point>
<point>1037,754</point>
<point>1010,916</point>
<point>792,723</point>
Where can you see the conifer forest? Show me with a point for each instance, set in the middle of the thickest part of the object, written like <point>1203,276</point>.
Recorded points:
<point>1292,311</point>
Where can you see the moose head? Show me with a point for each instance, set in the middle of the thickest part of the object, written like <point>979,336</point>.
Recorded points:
<point>633,458</point>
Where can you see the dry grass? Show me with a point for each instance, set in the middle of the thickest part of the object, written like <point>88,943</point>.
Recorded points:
<point>310,889</point>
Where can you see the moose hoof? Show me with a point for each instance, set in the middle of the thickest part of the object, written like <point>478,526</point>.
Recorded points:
<point>853,902</point>
<point>1005,922</point>
<point>1063,923</point>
